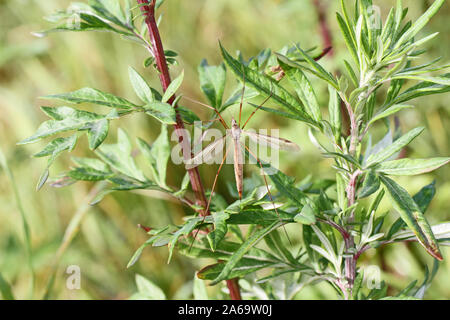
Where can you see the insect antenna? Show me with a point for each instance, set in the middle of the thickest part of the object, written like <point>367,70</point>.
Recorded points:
<point>210,197</point>
<point>254,111</point>
<point>209,107</point>
<point>268,191</point>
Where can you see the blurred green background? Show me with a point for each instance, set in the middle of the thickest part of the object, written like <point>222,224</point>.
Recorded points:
<point>31,67</point>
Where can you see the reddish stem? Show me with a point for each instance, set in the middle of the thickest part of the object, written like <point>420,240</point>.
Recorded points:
<point>148,9</point>
<point>324,28</point>
<point>158,50</point>
<point>233,287</point>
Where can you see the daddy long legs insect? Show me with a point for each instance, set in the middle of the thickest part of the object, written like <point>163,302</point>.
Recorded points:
<point>237,134</point>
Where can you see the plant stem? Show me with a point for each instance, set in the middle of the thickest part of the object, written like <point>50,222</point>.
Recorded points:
<point>158,50</point>
<point>233,287</point>
<point>148,9</point>
<point>350,259</point>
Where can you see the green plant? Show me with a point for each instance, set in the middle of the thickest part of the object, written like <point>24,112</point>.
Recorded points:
<point>338,223</point>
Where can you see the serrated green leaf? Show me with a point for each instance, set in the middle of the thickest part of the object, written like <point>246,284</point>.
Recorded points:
<point>140,86</point>
<point>212,82</point>
<point>266,85</point>
<point>238,255</point>
<point>220,229</point>
<point>89,95</point>
<point>304,90</point>
<point>306,216</point>
<point>148,289</point>
<point>79,22</point>
<point>422,199</point>
<point>259,216</point>
<point>173,87</point>
<point>97,133</point>
<point>410,213</point>
<point>57,146</point>
<point>236,96</point>
<point>199,290</point>
<point>161,111</point>
<point>89,174</point>
<point>64,119</point>
<point>157,155</point>
<point>185,230</point>
<point>224,251</point>
<point>410,167</point>
<point>242,268</point>
<point>54,149</point>
<point>5,289</point>
<point>396,146</point>
<point>188,115</point>
<point>118,156</point>
<point>92,163</point>
<point>320,71</point>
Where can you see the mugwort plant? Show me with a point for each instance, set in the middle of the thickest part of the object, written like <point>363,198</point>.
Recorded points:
<point>338,219</point>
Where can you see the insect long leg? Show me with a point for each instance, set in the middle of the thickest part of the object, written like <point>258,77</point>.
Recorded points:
<point>254,111</point>
<point>210,195</point>
<point>268,190</point>
<point>209,107</point>
<point>242,98</point>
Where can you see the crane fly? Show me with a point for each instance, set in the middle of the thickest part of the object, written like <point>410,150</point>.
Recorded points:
<point>237,135</point>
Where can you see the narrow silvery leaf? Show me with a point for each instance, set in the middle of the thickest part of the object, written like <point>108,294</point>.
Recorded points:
<point>212,82</point>
<point>388,112</point>
<point>173,87</point>
<point>422,89</point>
<point>349,37</point>
<point>410,167</point>
<point>410,213</point>
<point>421,22</point>
<point>140,86</point>
<point>334,110</point>
<point>437,80</point>
<point>396,146</point>
<point>370,185</point>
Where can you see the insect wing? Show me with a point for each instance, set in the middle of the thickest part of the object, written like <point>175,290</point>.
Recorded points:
<point>273,142</point>
<point>207,155</point>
